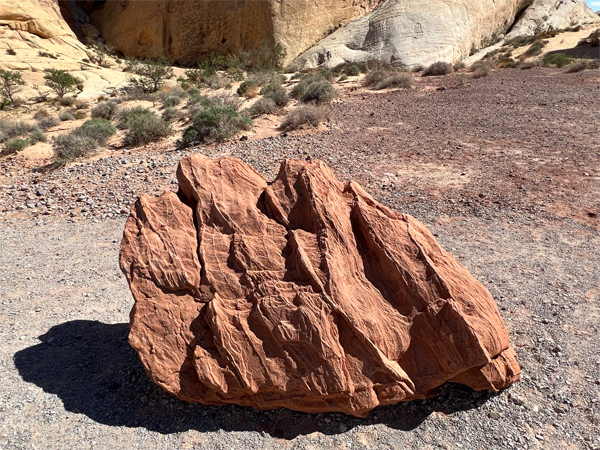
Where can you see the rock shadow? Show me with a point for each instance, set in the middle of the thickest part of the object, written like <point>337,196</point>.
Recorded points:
<point>91,367</point>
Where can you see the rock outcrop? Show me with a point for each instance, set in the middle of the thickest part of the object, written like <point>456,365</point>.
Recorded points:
<point>558,14</point>
<point>302,293</point>
<point>186,31</point>
<point>409,33</point>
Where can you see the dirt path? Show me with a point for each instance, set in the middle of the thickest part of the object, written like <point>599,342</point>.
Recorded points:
<point>494,168</point>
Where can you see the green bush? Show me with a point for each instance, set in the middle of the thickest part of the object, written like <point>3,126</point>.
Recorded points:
<point>305,115</point>
<point>169,114</point>
<point>263,106</point>
<point>319,92</point>
<point>171,101</point>
<point>215,123</point>
<point>65,116</point>
<point>437,69</point>
<point>152,74</point>
<point>279,96</point>
<point>80,115</point>
<point>15,145</point>
<point>557,59</point>
<point>143,126</point>
<point>37,136</point>
<point>350,69</point>
<point>248,89</point>
<point>47,122</point>
<point>81,141</point>
<point>105,110</point>
<point>400,81</point>
<point>97,129</point>
<point>10,84</point>
<point>61,82</point>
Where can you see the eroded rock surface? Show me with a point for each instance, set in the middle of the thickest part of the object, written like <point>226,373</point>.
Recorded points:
<point>302,293</point>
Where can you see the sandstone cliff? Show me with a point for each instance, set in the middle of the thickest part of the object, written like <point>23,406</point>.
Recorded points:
<point>419,32</point>
<point>186,31</point>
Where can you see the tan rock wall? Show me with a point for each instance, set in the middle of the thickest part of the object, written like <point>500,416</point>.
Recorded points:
<point>187,30</point>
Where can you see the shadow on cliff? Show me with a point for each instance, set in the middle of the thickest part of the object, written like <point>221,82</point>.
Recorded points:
<point>93,370</point>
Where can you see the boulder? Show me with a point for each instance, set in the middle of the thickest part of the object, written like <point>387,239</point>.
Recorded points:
<point>303,293</point>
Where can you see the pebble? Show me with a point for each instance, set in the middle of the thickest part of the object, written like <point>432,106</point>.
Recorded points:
<point>495,415</point>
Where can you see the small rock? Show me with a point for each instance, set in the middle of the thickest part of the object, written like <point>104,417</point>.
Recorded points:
<point>495,415</point>
<point>174,181</point>
<point>343,427</point>
<point>556,349</point>
<point>41,192</point>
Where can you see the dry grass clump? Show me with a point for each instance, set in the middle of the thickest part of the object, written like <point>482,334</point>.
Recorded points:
<point>263,106</point>
<point>319,93</point>
<point>400,81</point>
<point>143,126</point>
<point>279,96</point>
<point>583,65</point>
<point>248,89</point>
<point>481,68</point>
<point>11,129</point>
<point>309,115</point>
<point>437,69</point>
<point>81,141</point>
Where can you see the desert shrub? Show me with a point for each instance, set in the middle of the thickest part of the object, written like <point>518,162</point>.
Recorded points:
<point>437,69</point>
<point>528,65</point>
<point>267,57</point>
<point>309,115</point>
<point>263,106</point>
<point>41,112</point>
<point>152,74</point>
<point>67,101</point>
<point>248,89</point>
<point>458,66</point>
<point>47,122</point>
<point>10,129</point>
<point>37,136</point>
<point>226,99</point>
<point>98,130</point>
<point>506,63</point>
<point>44,54</point>
<point>401,81</point>
<point>557,59</point>
<point>352,70</point>
<point>169,114</point>
<point>582,65</point>
<point>172,101</point>
<point>418,68</point>
<point>271,87</point>
<point>215,123</point>
<point>15,145</point>
<point>11,83</point>
<point>481,68</point>
<point>375,77</point>
<point>80,115</point>
<point>65,116</point>
<point>279,96</point>
<point>217,81</point>
<point>69,147</point>
<point>535,49</point>
<point>61,82</point>
<point>319,92</point>
<point>326,74</point>
<point>144,126</point>
<point>104,110</point>
<point>193,91</point>
<point>81,104</point>
<point>300,88</point>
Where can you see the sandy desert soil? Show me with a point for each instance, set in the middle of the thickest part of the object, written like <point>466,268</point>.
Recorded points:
<point>505,170</point>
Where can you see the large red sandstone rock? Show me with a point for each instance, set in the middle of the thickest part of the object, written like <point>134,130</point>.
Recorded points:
<point>303,293</point>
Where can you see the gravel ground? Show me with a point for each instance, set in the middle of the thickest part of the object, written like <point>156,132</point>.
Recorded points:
<point>504,170</point>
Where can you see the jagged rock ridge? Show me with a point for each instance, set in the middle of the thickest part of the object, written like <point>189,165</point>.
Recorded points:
<point>302,293</point>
